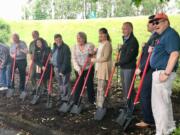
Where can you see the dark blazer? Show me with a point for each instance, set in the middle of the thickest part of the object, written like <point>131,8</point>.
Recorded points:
<point>63,58</point>
<point>129,53</point>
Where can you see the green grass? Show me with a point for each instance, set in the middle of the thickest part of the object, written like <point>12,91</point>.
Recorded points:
<point>177,132</point>
<point>69,28</point>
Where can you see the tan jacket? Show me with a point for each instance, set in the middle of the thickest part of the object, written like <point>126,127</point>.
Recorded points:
<point>105,62</point>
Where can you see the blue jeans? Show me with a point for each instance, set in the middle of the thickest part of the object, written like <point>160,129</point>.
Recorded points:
<point>5,76</point>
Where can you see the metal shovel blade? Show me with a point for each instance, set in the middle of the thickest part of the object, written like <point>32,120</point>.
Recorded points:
<point>100,113</point>
<point>9,93</point>
<point>35,99</point>
<point>65,107</point>
<point>122,117</point>
<point>76,109</point>
<point>49,105</point>
<point>23,95</point>
<point>129,119</point>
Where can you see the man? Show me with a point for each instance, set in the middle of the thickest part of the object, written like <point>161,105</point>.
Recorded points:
<point>61,59</point>
<point>5,67</point>
<point>35,36</point>
<point>145,97</point>
<point>164,61</point>
<point>18,52</point>
<point>127,62</point>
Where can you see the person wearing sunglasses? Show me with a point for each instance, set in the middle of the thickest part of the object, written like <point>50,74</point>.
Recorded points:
<point>145,97</point>
<point>164,61</point>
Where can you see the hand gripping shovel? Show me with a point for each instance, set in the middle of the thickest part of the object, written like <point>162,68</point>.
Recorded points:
<point>11,90</point>
<point>123,115</point>
<point>49,100</point>
<point>76,109</point>
<point>66,106</point>
<point>129,116</point>
<point>24,93</point>
<point>101,112</point>
<point>37,95</point>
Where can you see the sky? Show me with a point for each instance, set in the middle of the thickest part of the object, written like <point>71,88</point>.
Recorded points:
<point>11,9</point>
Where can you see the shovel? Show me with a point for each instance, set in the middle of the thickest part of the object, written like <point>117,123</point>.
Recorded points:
<point>101,112</point>
<point>10,92</point>
<point>49,99</point>
<point>66,106</point>
<point>24,93</point>
<point>76,109</point>
<point>37,95</point>
<point>126,116</point>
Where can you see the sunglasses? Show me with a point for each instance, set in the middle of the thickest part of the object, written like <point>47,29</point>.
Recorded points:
<point>157,22</point>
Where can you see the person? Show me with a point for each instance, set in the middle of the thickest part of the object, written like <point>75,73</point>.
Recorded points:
<point>41,53</point>
<point>61,59</point>
<point>5,67</point>
<point>164,61</point>
<point>18,52</point>
<point>127,62</point>
<point>35,36</point>
<point>145,96</point>
<point>103,64</point>
<point>81,51</point>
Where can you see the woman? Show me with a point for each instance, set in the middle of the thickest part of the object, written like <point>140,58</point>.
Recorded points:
<point>41,54</point>
<point>81,51</point>
<point>103,64</point>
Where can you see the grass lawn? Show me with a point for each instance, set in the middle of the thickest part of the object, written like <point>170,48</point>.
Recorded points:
<point>69,28</point>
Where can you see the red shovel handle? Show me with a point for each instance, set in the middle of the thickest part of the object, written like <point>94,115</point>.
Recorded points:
<point>50,81</point>
<point>75,85</point>
<point>111,76</point>
<point>30,71</point>
<point>142,79</point>
<point>85,81</point>
<point>13,67</point>
<point>49,56</point>
<point>134,77</point>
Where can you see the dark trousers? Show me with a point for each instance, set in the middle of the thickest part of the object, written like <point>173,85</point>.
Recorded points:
<point>89,84</point>
<point>145,98</point>
<point>126,79</point>
<point>21,66</point>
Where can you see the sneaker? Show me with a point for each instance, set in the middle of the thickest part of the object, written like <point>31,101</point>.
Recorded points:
<point>3,88</point>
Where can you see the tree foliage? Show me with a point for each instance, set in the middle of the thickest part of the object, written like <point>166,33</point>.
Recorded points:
<point>4,31</point>
<point>71,9</point>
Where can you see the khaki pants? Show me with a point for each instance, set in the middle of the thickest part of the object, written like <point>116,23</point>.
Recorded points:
<point>100,92</point>
<point>161,104</point>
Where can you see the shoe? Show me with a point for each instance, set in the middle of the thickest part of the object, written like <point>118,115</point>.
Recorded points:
<point>3,88</point>
<point>142,124</point>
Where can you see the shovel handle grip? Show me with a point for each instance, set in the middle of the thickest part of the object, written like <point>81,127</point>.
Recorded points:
<point>134,77</point>
<point>142,79</point>
<point>75,85</point>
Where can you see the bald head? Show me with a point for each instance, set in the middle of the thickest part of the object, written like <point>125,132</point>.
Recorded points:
<point>35,34</point>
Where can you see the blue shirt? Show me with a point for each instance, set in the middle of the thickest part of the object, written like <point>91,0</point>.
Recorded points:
<point>168,42</point>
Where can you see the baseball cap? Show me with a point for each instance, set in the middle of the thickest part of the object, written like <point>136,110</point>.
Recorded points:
<point>151,18</point>
<point>161,15</point>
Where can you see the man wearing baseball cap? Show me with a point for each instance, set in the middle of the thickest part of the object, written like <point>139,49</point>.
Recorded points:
<point>145,97</point>
<point>164,61</point>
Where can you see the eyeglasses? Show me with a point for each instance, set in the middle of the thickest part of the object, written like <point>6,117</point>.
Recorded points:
<point>157,22</point>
